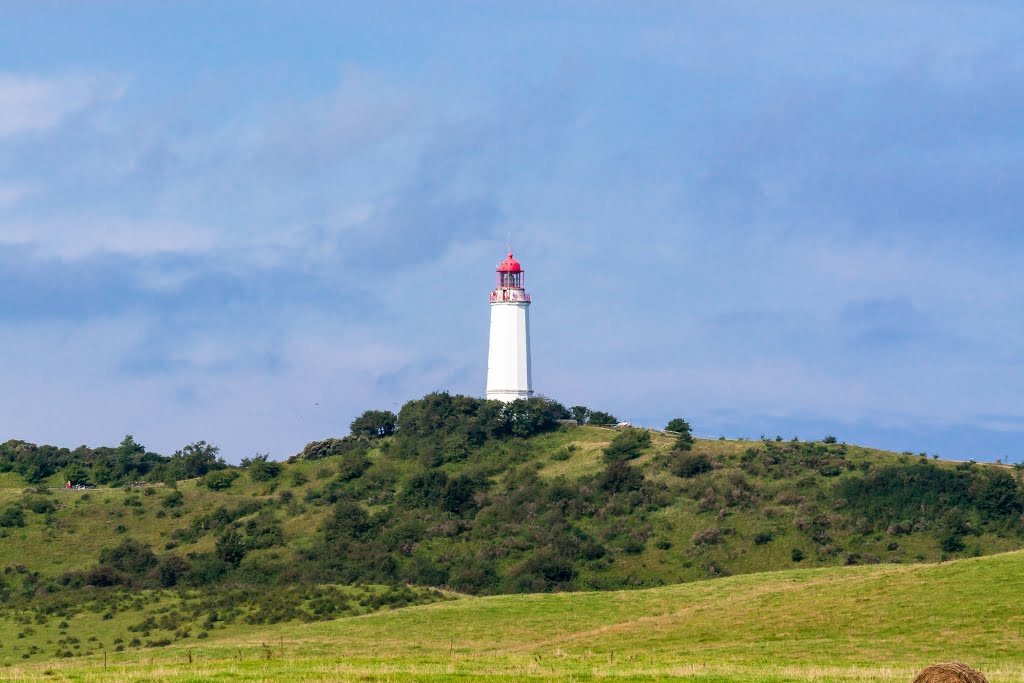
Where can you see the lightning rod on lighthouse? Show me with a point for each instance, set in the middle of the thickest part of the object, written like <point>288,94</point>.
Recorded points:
<point>508,358</point>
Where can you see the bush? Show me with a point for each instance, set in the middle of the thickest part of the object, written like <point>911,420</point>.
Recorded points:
<point>12,516</point>
<point>171,569</point>
<point>796,555</point>
<point>40,505</point>
<point>318,450</point>
<point>708,537</point>
<point>686,465</point>
<point>618,477</point>
<point>627,444</point>
<point>375,424</point>
<point>544,570</point>
<point>220,479</point>
<point>231,547</point>
<point>763,537</point>
<point>352,467</point>
<point>130,557</point>
<point>829,439</point>
<point>174,499</point>
<point>263,470</point>
<point>951,543</point>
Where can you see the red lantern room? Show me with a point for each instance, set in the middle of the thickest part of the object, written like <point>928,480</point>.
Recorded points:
<point>509,282</point>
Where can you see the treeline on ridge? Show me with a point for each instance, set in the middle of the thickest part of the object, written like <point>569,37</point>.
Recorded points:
<point>453,492</point>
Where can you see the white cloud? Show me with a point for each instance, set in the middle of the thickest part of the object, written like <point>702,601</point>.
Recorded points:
<point>71,238</point>
<point>35,105</point>
<point>12,193</point>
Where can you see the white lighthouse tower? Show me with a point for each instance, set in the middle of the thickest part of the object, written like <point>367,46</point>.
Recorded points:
<point>508,358</point>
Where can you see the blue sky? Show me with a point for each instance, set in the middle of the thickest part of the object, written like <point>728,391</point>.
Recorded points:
<point>248,222</point>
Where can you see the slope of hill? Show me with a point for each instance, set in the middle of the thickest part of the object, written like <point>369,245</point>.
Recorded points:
<point>466,496</point>
<point>454,501</point>
<point>877,623</point>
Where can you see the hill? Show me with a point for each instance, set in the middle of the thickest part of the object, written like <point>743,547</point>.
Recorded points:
<point>877,623</point>
<point>467,496</point>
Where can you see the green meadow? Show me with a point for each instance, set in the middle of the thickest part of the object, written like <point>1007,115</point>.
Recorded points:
<point>479,541</point>
<point>867,623</point>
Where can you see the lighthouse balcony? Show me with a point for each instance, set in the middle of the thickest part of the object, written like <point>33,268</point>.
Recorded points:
<point>512,295</point>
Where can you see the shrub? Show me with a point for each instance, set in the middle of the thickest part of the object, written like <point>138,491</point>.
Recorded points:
<point>796,555</point>
<point>171,569</point>
<point>686,465</point>
<point>40,505</point>
<point>829,439</point>
<point>627,444</point>
<point>174,499</point>
<point>710,536</point>
<point>220,479</point>
<point>130,557</point>
<point>352,466</point>
<point>231,547</point>
<point>12,516</point>
<point>763,537</point>
<point>951,543</point>
<point>619,477</point>
<point>543,570</point>
<point>262,469</point>
<point>318,450</point>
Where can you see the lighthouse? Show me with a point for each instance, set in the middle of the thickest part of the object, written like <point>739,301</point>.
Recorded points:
<point>508,357</point>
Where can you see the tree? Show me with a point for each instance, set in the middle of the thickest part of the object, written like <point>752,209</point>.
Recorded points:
<point>261,468</point>
<point>684,441</point>
<point>677,424</point>
<point>527,417</point>
<point>375,424</point>
<point>77,474</point>
<point>580,413</point>
<point>195,460</point>
<point>599,417</point>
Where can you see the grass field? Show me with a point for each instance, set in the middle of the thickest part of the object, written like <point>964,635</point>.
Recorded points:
<point>869,623</point>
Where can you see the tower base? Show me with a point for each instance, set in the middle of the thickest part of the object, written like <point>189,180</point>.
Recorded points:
<point>508,395</point>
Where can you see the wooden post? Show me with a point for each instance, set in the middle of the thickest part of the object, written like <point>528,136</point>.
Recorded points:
<point>104,660</point>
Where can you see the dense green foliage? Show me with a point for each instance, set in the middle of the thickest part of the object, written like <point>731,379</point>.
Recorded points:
<point>485,497</point>
<point>128,462</point>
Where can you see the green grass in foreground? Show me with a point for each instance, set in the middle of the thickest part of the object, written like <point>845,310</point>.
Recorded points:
<point>871,623</point>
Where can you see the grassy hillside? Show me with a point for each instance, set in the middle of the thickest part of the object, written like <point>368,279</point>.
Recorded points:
<point>877,623</point>
<point>475,498</point>
<point>551,512</point>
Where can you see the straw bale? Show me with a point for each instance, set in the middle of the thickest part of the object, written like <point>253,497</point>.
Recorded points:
<point>950,672</point>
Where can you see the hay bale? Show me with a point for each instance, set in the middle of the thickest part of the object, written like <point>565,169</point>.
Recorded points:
<point>950,672</point>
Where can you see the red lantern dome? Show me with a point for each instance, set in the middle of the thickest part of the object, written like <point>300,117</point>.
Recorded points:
<point>509,265</point>
<point>510,282</point>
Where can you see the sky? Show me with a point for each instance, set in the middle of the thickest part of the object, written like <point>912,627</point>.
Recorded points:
<point>248,222</point>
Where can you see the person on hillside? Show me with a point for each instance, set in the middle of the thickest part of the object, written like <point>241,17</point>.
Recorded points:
<point>69,484</point>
